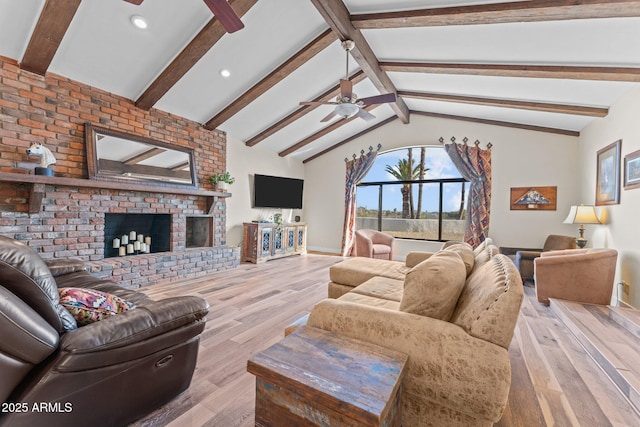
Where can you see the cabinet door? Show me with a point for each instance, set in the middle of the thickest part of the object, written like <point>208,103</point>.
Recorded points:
<point>264,243</point>
<point>301,239</point>
<point>290,238</point>
<point>278,241</point>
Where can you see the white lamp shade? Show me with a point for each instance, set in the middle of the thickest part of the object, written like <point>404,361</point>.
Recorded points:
<point>582,215</point>
<point>346,109</point>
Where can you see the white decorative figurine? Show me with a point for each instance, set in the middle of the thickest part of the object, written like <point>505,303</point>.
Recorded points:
<point>46,158</point>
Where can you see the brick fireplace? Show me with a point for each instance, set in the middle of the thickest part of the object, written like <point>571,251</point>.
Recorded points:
<point>69,221</point>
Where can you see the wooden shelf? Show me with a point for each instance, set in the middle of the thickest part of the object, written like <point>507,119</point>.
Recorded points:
<point>39,181</point>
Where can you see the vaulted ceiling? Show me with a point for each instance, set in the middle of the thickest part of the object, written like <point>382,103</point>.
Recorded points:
<point>546,65</point>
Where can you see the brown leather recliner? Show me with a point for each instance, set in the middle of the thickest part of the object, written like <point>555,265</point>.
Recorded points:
<point>523,258</point>
<point>581,275</point>
<point>110,372</point>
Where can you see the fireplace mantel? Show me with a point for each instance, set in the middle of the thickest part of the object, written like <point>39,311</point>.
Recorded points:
<point>38,182</point>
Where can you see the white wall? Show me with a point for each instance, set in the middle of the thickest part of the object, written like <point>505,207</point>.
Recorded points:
<point>243,163</point>
<point>520,158</point>
<point>622,231</point>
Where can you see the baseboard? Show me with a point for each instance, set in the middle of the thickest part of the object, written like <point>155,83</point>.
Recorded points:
<point>325,251</point>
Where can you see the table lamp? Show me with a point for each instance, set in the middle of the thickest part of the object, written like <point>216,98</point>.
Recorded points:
<point>582,215</point>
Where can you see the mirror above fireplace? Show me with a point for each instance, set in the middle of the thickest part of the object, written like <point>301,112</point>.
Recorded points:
<point>119,156</point>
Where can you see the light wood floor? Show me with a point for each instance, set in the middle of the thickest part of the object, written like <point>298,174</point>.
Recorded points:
<point>554,382</point>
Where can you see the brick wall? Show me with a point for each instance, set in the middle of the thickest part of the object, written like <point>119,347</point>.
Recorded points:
<point>53,110</point>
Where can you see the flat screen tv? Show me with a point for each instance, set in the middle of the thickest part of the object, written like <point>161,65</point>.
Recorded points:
<point>277,192</point>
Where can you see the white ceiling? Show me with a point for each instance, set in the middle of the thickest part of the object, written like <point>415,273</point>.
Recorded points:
<point>103,49</point>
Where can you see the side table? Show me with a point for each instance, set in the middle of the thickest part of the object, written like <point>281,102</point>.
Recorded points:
<point>316,378</point>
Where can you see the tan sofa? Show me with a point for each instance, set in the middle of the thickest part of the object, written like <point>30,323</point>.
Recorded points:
<point>352,272</point>
<point>454,315</point>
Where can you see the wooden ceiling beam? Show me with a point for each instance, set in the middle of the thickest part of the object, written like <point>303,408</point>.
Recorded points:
<point>52,25</point>
<point>621,74</point>
<point>351,138</point>
<point>289,66</point>
<point>356,78</point>
<point>580,110</point>
<point>336,14</point>
<point>498,123</point>
<point>322,132</point>
<point>190,55</point>
<point>499,13</point>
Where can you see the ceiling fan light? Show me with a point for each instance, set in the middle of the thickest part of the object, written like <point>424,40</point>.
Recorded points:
<point>346,110</point>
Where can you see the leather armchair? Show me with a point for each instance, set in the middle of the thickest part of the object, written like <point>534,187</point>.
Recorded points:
<point>581,275</point>
<point>524,258</point>
<point>374,244</point>
<point>110,372</point>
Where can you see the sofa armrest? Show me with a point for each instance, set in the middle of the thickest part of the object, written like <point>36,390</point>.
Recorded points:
<point>137,325</point>
<point>416,257</point>
<point>446,365</point>
<point>60,267</point>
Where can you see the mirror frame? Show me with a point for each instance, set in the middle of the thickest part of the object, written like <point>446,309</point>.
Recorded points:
<point>91,131</point>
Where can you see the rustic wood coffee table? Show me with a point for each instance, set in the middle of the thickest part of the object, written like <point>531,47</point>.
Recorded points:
<point>316,378</point>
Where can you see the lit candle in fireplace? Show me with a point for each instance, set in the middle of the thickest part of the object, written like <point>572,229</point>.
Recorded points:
<point>136,245</point>
<point>125,239</point>
<point>132,236</point>
<point>143,247</point>
<point>147,240</point>
<point>116,243</point>
<point>140,238</point>
<point>130,248</point>
<point>122,251</point>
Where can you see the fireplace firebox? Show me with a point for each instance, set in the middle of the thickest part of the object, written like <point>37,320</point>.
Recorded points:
<point>118,227</point>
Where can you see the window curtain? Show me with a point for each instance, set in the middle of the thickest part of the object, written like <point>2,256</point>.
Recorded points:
<point>474,164</point>
<point>357,168</point>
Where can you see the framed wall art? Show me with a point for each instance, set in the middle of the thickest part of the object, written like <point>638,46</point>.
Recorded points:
<point>608,175</point>
<point>534,198</point>
<point>632,170</point>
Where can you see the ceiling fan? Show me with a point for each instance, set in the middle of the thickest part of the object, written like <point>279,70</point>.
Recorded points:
<point>221,9</point>
<point>347,103</point>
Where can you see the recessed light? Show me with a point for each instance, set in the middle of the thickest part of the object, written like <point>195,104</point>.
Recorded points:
<point>139,21</point>
<point>225,73</point>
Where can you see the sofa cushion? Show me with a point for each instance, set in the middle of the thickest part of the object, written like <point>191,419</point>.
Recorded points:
<point>90,305</point>
<point>489,304</point>
<point>466,254</point>
<point>370,301</point>
<point>381,287</point>
<point>432,287</point>
<point>357,270</point>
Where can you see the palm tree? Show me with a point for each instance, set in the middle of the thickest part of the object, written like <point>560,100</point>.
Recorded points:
<point>422,170</point>
<point>403,172</point>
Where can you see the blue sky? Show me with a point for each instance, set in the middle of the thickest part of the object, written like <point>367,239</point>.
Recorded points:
<point>439,165</point>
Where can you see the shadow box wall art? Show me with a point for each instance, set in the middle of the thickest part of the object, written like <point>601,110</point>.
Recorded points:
<point>632,170</point>
<point>534,198</point>
<point>608,175</point>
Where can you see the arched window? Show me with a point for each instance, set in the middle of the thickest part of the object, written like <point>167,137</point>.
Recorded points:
<point>414,193</point>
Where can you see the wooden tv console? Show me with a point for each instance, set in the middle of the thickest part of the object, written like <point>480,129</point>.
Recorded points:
<point>263,241</point>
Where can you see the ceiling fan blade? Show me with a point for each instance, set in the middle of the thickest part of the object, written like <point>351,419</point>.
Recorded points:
<point>136,2</point>
<point>317,103</point>
<point>346,88</point>
<point>225,14</point>
<point>329,116</point>
<point>364,114</point>
<point>377,99</point>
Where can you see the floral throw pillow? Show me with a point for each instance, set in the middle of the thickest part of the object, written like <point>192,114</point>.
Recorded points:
<point>89,305</point>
